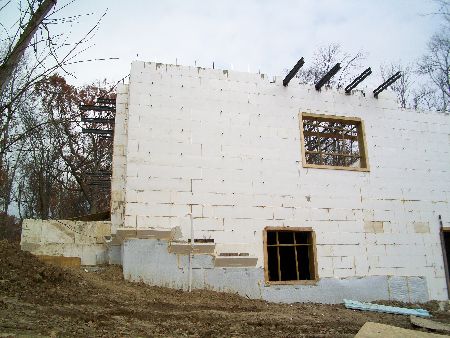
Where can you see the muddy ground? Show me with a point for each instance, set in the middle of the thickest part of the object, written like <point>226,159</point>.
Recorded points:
<point>36,298</point>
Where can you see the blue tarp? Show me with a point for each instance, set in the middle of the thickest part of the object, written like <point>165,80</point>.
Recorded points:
<point>355,305</point>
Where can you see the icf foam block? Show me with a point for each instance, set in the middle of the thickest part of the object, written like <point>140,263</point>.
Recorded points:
<point>232,140</point>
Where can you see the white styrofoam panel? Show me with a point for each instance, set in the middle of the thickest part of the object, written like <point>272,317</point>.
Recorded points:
<point>229,143</point>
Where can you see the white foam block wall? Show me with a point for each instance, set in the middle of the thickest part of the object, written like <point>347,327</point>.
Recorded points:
<point>119,158</point>
<point>226,145</point>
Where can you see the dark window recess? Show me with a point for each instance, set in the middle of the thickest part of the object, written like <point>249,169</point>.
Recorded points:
<point>290,255</point>
<point>447,247</point>
<point>446,238</point>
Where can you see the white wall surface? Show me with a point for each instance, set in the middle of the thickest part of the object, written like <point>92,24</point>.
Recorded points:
<point>66,238</point>
<point>226,145</point>
<point>119,154</point>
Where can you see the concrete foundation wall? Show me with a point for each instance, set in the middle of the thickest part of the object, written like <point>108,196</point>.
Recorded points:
<point>67,239</point>
<point>115,254</point>
<point>147,260</point>
<point>226,147</point>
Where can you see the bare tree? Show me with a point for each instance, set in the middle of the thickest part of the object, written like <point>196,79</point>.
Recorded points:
<point>41,168</point>
<point>403,87</point>
<point>36,12</point>
<point>11,144</point>
<point>324,59</point>
<point>32,52</point>
<point>424,98</point>
<point>55,172</point>
<point>435,64</point>
<point>34,48</point>
<point>11,165</point>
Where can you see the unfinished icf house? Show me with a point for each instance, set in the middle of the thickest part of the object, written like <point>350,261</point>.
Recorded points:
<point>241,183</point>
<point>233,182</point>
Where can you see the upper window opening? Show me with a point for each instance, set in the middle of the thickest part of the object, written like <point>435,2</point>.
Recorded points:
<point>333,142</point>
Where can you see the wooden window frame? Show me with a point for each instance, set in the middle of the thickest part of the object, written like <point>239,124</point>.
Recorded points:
<point>444,255</point>
<point>313,266</point>
<point>364,159</point>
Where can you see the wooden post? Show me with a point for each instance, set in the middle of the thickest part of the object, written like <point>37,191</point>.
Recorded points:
<point>296,258</point>
<point>278,256</point>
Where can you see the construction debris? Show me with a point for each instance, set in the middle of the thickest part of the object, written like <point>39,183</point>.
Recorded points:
<point>372,330</point>
<point>355,305</point>
<point>429,324</point>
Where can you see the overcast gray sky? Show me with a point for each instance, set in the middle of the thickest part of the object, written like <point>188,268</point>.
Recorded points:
<point>245,35</point>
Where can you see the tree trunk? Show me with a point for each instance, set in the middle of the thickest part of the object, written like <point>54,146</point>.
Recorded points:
<point>13,59</point>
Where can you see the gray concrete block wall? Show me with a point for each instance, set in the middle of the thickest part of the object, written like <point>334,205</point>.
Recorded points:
<point>114,254</point>
<point>227,145</point>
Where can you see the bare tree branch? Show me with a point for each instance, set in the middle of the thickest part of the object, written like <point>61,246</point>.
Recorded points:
<point>13,58</point>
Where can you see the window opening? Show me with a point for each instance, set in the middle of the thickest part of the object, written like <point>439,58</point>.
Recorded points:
<point>290,255</point>
<point>445,242</point>
<point>331,141</point>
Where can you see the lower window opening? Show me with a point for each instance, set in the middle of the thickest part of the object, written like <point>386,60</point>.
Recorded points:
<point>290,255</point>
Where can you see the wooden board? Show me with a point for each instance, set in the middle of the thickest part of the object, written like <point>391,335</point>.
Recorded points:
<point>61,260</point>
<point>376,330</point>
<point>429,324</point>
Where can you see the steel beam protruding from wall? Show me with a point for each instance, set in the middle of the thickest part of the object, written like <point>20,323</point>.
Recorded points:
<point>328,76</point>
<point>293,71</point>
<point>386,84</point>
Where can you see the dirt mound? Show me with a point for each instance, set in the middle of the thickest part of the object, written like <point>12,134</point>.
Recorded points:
<point>36,298</point>
<point>24,276</point>
<point>24,268</point>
